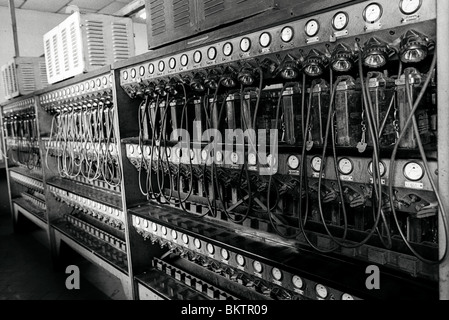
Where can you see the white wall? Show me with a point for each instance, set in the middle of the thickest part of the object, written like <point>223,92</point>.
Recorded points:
<point>31,27</point>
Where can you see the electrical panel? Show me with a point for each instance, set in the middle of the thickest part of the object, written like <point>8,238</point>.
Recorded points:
<point>280,163</point>
<point>85,42</point>
<point>23,75</point>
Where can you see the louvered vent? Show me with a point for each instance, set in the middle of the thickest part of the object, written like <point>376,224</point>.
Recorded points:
<point>56,54</point>
<point>95,43</point>
<point>43,74</point>
<point>212,7</point>
<point>120,44</point>
<point>157,11</point>
<point>13,79</point>
<point>49,59</point>
<point>65,49</point>
<point>28,78</point>
<point>181,13</point>
<point>75,45</point>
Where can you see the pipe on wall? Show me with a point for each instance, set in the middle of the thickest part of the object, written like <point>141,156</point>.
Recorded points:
<point>12,11</point>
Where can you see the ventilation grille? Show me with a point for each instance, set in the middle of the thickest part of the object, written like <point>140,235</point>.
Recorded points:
<point>49,59</point>
<point>95,43</point>
<point>75,45</point>
<point>212,7</point>
<point>120,42</point>
<point>181,13</point>
<point>54,43</point>
<point>157,11</point>
<point>28,78</point>
<point>9,81</point>
<point>43,74</point>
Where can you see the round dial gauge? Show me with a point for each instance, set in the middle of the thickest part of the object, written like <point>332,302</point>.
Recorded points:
<point>125,77</point>
<point>297,282</point>
<point>154,226</point>
<point>321,291</point>
<point>147,150</point>
<point>174,234</point>
<point>410,6</point>
<point>227,49</point>
<point>204,155</point>
<point>413,171</point>
<point>234,157</point>
<point>133,75</point>
<point>168,152</point>
<point>287,34</point>
<point>184,60</point>
<point>212,53</point>
<point>145,224</point>
<point>178,153</point>
<point>137,221</point>
<point>340,21</point>
<point>164,230</point>
<point>161,66</point>
<point>265,39</point>
<point>192,154</point>
<point>151,68</point>
<point>240,260</point>
<point>312,28</point>
<point>252,160</point>
<point>257,266</point>
<point>197,56</point>
<point>185,238</point>
<point>277,274</point>
<point>293,162</point>
<point>98,83</point>
<point>210,248</point>
<point>219,156</point>
<point>142,70</point>
<point>105,80</point>
<point>197,243</point>
<point>172,63</point>
<point>245,44</point>
<point>347,296</point>
<point>316,164</point>
<point>225,254</point>
<point>131,148</point>
<point>372,13</point>
<point>381,168</point>
<point>345,166</point>
<point>271,160</point>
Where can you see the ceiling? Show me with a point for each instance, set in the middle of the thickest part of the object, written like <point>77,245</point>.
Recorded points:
<point>59,6</point>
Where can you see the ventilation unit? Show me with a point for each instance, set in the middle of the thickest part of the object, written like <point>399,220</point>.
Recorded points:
<point>23,75</point>
<point>85,42</point>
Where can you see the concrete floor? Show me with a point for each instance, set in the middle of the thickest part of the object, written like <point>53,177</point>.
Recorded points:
<point>27,272</point>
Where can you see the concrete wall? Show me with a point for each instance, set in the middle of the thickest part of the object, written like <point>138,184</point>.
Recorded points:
<point>31,27</point>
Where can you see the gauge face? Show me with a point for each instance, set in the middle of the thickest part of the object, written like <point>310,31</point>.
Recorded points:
<point>245,44</point>
<point>252,160</point>
<point>297,282</point>
<point>410,6</point>
<point>271,160</point>
<point>321,291</point>
<point>293,162</point>
<point>131,148</point>
<point>185,238</point>
<point>137,221</point>
<point>151,68</point>
<point>174,234</point>
<point>172,63</point>
<point>125,77</point>
<point>210,248</point>
<point>234,157</point>
<point>192,154</point>
<point>141,70</point>
<point>257,266</point>
<point>197,243</point>
<point>372,13</point>
<point>178,153</point>
<point>224,254</point>
<point>212,53</point>
<point>381,168</point>
<point>219,156</point>
<point>161,66</point>
<point>204,155</point>
<point>227,49</point>
<point>197,56</point>
<point>147,150</point>
<point>98,83</point>
<point>277,274</point>
<point>345,166</point>
<point>164,231</point>
<point>340,21</point>
<point>154,226</point>
<point>145,224</point>
<point>265,39</point>
<point>287,34</point>
<point>312,28</point>
<point>168,152</point>
<point>347,296</point>
<point>316,164</point>
<point>240,260</point>
<point>184,60</point>
<point>413,171</point>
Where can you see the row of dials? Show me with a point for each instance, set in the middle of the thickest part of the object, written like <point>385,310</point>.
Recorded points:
<point>225,255</point>
<point>100,83</point>
<point>15,107</point>
<point>372,13</point>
